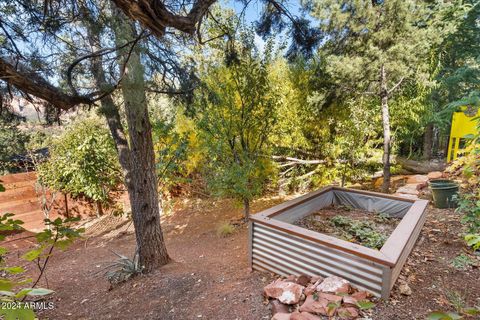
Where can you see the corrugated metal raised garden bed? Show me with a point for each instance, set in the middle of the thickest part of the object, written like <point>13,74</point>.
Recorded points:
<point>279,246</point>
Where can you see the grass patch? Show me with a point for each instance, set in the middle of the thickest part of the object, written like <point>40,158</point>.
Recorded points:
<point>225,229</point>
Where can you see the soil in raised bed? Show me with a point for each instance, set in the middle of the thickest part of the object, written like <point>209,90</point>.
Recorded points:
<point>369,229</point>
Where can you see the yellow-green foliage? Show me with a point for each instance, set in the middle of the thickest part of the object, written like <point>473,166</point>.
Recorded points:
<point>178,149</point>
<point>225,229</point>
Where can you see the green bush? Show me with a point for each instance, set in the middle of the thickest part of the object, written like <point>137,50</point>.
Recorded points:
<point>12,141</point>
<point>83,162</point>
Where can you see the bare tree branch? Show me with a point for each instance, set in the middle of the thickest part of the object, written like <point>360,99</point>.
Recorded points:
<point>392,89</point>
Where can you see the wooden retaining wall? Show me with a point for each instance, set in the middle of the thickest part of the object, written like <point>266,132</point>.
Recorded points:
<point>22,197</point>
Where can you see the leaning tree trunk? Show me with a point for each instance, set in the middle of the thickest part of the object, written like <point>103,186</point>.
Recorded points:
<point>142,180</point>
<point>386,130</point>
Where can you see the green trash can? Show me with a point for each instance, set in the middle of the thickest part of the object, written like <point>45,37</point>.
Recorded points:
<point>444,193</point>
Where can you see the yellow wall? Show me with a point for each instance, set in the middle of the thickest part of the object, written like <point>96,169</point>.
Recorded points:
<point>462,125</point>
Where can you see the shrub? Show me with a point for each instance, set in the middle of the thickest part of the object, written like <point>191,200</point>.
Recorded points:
<point>12,141</point>
<point>83,162</point>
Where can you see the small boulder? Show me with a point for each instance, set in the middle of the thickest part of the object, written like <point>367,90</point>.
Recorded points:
<point>406,196</point>
<point>314,306</point>
<point>434,175</point>
<point>405,289</point>
<point>344,289</point>
<point>278,307</point>
<point>360,295</point>
<point>410,188</point>
<point>282,316</point>
<point>347,313</point>
<point>291,278</point>
<point>422,186</point>
<point>316,279</point>
<point>330,297</point>
<point>332,284</point>
<point>285,292</point>
<point>310,289</point>
<point>304,316</point>
<point>418,178</point>
<point>349,300</point>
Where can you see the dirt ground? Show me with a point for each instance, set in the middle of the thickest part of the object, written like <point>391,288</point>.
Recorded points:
<point>209,278</point>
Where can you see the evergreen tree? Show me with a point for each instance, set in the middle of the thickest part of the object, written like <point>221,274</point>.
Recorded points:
<point>375,47</point>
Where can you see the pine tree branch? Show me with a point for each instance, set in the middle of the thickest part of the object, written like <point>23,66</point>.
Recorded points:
<point>31,83</point>
<point>154,15</point>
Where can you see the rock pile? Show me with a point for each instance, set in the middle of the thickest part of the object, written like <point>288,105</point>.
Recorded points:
<point>312,298</point>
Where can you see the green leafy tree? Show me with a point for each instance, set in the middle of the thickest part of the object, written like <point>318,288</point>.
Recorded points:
<point>459,63</point>
<point>376,47</point>
<point>319,137</point>
<point>236,110</point>
<point>83,162</point>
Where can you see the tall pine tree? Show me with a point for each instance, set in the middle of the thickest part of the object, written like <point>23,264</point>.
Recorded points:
<point>375,47</point>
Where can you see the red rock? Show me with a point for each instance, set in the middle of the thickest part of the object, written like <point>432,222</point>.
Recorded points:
<point>434,175</point>
<point>344,289</point>
<point>303,280</point>
<point>421,186</point>
<point>350,300</point>
<point>410,188</point>
<point>310,289</point>
<point>314,306</point>
<point>291,278</point>
<point>330,297</point>
<point>282,316</point>
<point>278,307</point>
<point>331,284</point>
<point>418,178</point>
<point>407,196</point>
<point>285,292</point>
<point>360,295</point>
<point>316,279</point>
<point>304,316</point>
<point>347,313</point>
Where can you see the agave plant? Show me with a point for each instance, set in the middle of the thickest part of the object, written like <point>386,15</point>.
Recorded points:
<point>123,268</point>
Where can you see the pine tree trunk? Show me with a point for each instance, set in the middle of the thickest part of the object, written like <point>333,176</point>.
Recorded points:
<point>428,142</point>
<point>142,189</point>
<point>137,159</point>
<point>386,130</point>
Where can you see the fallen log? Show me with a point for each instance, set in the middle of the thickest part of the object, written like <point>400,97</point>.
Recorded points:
<point>414,166</point>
